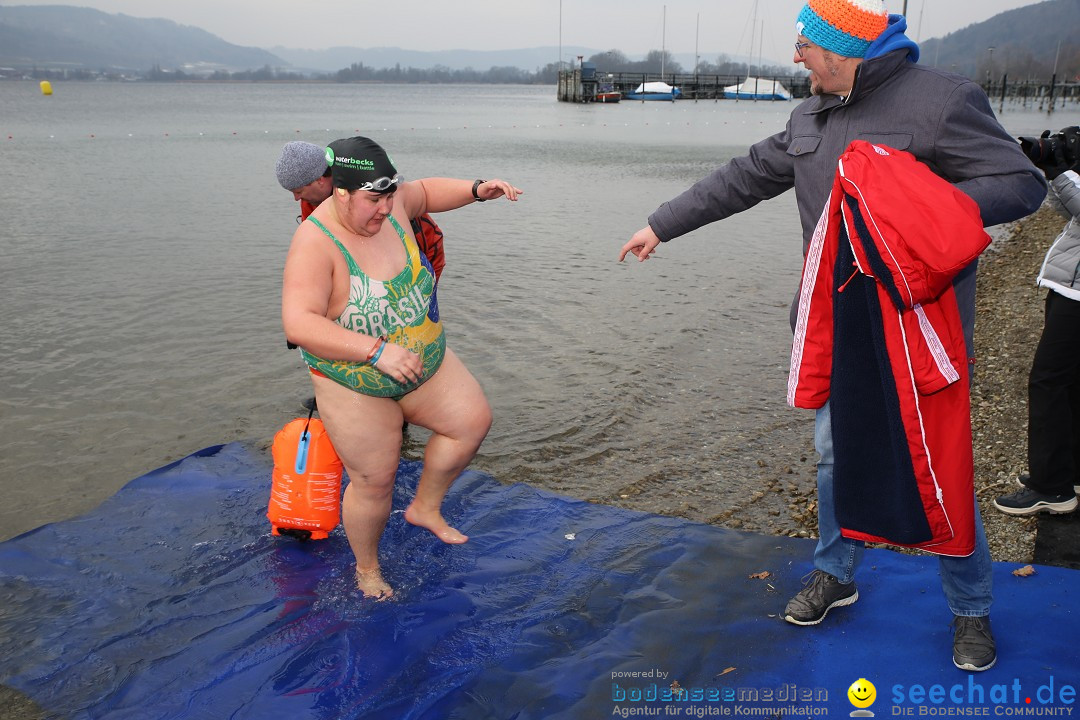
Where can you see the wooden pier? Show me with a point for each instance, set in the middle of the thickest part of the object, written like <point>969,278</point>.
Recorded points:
<point>1045,95</point>
<point>583,84</point>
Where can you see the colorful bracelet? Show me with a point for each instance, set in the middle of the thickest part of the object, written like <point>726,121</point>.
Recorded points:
<point>376,348</point>
<point>378,354</point>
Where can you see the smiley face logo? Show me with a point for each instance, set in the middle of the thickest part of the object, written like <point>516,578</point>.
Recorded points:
<point>862,693</point>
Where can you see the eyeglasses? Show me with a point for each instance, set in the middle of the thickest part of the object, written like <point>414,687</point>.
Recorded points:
<point>800,46</point>
<point>382,184</point>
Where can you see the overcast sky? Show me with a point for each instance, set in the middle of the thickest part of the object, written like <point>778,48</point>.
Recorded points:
<point>632,26</point>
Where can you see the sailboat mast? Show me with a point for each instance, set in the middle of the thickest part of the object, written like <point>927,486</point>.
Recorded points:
<point>753,27</point>
<point>663,42</point>
<point>558,65</point>
<point>757,75</point>
<point>697,34</point>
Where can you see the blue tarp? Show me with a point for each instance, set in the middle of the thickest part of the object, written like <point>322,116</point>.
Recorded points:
<point>172,600</point>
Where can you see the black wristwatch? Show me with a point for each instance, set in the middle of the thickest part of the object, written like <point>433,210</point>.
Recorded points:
<point>475,185</point>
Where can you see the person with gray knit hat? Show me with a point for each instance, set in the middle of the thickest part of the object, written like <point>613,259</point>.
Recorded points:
<point>302,170</point>
<point>866,85</point>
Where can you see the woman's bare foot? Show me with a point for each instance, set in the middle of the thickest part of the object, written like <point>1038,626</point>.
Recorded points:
<point>371,583</point>
<point>435,523</point>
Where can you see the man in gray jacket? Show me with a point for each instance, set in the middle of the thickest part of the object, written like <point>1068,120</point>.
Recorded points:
<point>866,85</point>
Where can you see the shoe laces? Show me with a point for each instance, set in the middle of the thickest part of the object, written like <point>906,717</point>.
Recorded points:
<point>814,583</point>
<point>1030,496</point>
<point>967,626</point>
<point>817,577</point>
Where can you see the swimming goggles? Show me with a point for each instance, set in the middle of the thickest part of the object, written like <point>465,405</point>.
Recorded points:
<point>382,184</point>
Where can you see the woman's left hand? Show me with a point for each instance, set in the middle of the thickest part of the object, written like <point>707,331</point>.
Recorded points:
<point>491,189</point>
<point>401,364</point>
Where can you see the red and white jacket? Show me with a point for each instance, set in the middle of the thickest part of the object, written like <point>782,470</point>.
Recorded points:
<point>878,336</point>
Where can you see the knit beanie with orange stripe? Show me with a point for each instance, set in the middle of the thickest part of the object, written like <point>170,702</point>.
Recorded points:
<point>845,27</point>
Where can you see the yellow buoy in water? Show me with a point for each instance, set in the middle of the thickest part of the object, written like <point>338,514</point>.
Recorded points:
<point>46,87</point>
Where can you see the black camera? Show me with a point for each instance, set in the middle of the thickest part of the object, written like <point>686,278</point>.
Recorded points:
<point>1053,149</point>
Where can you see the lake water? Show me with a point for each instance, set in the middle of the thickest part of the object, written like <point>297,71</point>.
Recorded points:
<point>144,235</point>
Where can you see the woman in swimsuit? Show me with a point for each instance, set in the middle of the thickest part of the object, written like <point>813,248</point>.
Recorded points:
<point>359,299</point>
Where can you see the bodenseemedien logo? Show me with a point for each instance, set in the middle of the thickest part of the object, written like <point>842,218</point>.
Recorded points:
<point>862,695</point>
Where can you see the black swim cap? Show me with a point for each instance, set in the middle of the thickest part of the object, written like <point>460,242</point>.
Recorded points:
<point>360,163</point>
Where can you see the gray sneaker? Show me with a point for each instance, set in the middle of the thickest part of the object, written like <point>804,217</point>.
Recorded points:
<point>973,646</point>
<point>822,592</point>
<point>1029,502</point>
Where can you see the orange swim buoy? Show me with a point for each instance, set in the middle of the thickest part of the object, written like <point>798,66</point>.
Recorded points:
<point>305,495</point>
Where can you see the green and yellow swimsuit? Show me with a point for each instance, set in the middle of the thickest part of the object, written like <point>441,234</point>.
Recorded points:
<point>403,309</point>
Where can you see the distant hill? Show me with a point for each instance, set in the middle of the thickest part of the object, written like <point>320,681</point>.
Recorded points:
<point>1025,41</point>
<point>61,36</point>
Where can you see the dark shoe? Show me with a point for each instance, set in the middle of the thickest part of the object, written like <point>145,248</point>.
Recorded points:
<point>1029,502</point>
<point>1022,481</point>
<point>973,646</point>
<point>821,594</point>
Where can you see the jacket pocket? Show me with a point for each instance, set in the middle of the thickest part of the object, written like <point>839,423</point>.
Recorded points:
<point>803,144</point>
<point>894,140</point>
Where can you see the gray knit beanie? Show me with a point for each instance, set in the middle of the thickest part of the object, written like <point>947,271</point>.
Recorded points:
<point>300,163</point>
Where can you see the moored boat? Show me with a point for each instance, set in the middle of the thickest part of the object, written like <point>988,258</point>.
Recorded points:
<point>754,88</point>
<point>654,91</point>
<point>608,94</point>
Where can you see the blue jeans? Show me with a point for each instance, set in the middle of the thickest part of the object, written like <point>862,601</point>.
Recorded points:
<point>967,581</point>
